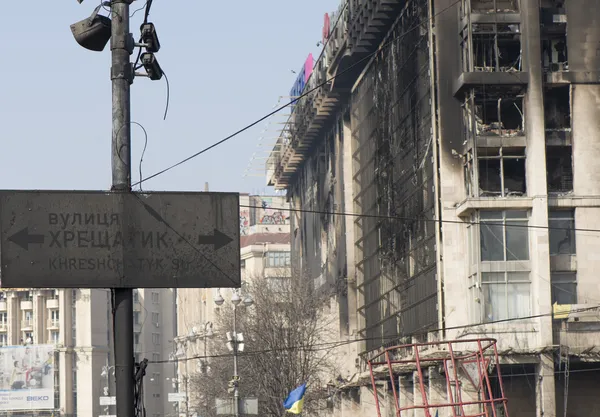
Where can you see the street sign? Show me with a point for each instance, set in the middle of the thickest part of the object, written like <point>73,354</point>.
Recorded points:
<point>174,397</point>
<point>96,239</point>
<point>108,400</point>
<point>248,406</point>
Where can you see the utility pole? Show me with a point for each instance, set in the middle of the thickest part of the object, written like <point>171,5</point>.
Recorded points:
<point>236,392</point>
<point>121,75</point>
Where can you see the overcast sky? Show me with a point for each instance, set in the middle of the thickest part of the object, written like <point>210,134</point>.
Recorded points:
<point>227,63</point>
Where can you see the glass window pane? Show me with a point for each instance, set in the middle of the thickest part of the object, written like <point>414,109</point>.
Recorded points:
<point>517,276</point>
<point>562,233</point>
<point>517,242</point>
<point>519,300</point>
<point>493,277</point>
<point>495,302</point>
<point>516,214</point>
<point>490,215</point>
<point>564,287</point>
<point>492,242</point>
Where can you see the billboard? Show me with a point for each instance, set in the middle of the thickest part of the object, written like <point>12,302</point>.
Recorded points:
<point>27,377</point>
<point>302,78</point>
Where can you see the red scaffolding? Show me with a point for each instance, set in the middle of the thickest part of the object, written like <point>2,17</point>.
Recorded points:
<point>460,361</point>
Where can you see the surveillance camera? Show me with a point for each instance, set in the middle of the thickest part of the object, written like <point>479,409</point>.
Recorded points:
<point>151,66</point>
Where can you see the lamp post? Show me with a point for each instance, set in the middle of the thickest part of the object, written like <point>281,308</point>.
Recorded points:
<point>106,374</point>
<point>235,341</point>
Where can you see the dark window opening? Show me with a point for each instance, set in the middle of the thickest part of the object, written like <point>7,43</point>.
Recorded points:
<point>499,116</point>
<point>557,108</point>
<point>554,53</point>
<point>496,47</point>
<point>501,172</point>
<point>559,168</point>
<point>491,6</point>
<point>564,287</point>
<point>562,232</point>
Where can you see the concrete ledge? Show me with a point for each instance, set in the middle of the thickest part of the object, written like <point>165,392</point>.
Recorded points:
<point>574,201</point>
<point>468,80</point>
<point>468,206</point>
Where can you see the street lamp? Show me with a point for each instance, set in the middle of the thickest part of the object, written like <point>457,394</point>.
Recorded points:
<point>235,341</point>
<point>106,374</point>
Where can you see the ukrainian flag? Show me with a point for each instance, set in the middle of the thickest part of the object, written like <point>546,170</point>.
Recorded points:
<point>293,403</point>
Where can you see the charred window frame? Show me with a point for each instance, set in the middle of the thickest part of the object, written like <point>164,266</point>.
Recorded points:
<point>559,169</point>
<point>500,265</point>
<point>553,17</point>
<point>492,47</point>
<point>563,249</point>
<point>557,107</point>
<point>494,6</point>
<point>501,172</point>
<point>494,113</point>
<point>562,232</point>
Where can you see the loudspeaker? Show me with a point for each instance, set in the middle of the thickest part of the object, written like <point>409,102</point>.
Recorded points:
<point>94,32</point>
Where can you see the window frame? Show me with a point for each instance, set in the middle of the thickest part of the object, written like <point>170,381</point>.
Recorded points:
<point>278,259</point>
<point>478,267</point>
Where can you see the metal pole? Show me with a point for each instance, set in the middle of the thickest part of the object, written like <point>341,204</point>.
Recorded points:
<point>121,181</point>
<point>187,404</point>
<point>236,393</point>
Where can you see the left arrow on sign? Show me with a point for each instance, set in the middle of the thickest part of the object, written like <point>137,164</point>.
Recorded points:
<point>24,239</point>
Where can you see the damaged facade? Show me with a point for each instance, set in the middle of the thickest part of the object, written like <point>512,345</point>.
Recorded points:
<point>463,134</point>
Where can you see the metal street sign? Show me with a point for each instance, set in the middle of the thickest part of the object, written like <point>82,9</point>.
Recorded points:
<point>176,396</point>
<point>96,239</point>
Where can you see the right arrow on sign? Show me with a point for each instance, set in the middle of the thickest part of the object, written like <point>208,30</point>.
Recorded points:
<point>218,240</point>
<point>24,239</point>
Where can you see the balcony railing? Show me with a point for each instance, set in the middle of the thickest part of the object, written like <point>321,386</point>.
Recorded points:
<point>26,305</point>
<point>52,303</point>
<point>3,326</point>
<point>26,324</point>
<point>3,305</point>
<point>53,324</point>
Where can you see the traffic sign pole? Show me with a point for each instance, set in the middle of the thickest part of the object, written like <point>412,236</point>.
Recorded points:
<point>121,76</point>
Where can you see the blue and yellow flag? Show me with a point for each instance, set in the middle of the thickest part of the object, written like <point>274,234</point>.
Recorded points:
<point>293,403</point>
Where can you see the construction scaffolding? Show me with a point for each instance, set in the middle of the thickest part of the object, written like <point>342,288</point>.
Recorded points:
<point>452,377</point>
<point>394,183</point>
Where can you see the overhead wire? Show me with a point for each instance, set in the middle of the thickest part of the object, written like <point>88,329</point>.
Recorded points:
<point>387,217</point>
<point>308,92</point>
<point>333,345</point>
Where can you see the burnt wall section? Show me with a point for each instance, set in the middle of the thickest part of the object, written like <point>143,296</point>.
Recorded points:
<point>394,187</point>
<point>318,234</point>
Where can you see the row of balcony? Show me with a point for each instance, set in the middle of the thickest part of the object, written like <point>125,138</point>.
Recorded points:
<point>51,324</point>
<point>51,304</point>
<point>357,30</point>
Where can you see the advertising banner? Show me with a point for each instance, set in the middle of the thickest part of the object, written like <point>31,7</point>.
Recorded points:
<point>27,377</point>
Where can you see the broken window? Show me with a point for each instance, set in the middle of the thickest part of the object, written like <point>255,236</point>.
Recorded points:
<point>554,53</point>
<point>562,232</point>
<point>564,287</point>
<point>559,168</point>
<point>491,6</point>
<point>496,47</point>
<point>496,115</point>
<point>501,172</point>
<point>557,108</point>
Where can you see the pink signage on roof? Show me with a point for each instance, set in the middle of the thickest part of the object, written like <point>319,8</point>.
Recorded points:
<point>308,67</point>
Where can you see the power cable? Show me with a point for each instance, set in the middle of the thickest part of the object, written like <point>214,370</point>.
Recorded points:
<point>333,345</point>
<point>308,92</point>
<point>386,217</point>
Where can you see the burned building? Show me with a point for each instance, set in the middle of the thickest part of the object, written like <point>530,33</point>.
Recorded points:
<point>443,171</point>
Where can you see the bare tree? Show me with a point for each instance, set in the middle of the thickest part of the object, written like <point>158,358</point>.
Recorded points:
<point>288,334</point>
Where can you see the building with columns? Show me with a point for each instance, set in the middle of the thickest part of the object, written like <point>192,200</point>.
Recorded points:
<point>78,324</point>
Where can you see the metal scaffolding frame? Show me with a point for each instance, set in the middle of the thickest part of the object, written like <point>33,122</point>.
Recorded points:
<point>460,361</point>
